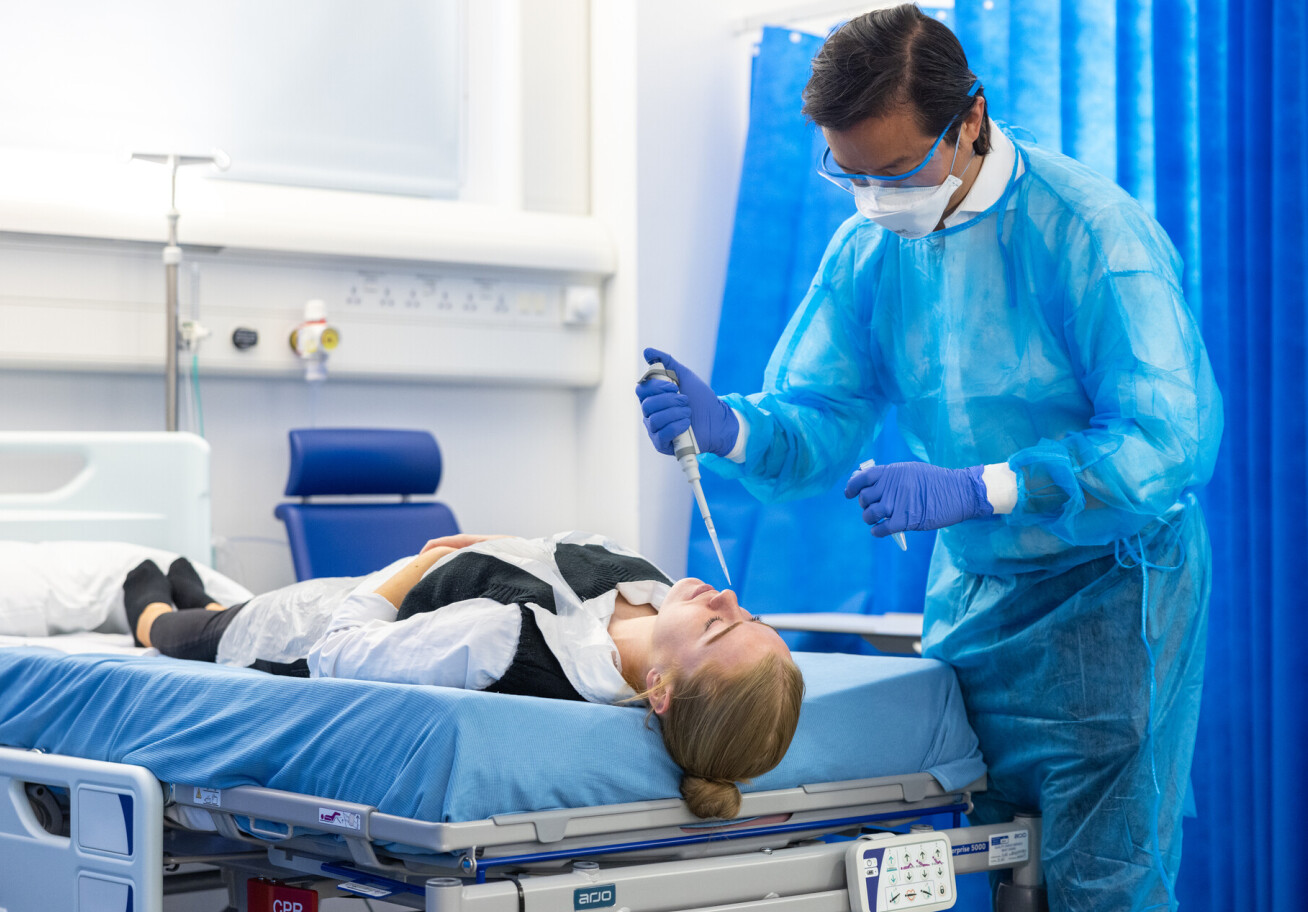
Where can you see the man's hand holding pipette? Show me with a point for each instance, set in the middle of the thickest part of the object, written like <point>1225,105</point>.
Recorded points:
<point>670,408</point>
<point>679,408</point>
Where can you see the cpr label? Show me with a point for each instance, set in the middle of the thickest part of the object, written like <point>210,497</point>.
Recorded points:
<point>594,897</point>
<point>263,895</point>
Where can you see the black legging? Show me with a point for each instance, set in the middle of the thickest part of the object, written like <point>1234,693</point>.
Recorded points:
<point>194,633</point>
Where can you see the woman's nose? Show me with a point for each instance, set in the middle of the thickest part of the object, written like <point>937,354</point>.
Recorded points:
<point>725,602</point>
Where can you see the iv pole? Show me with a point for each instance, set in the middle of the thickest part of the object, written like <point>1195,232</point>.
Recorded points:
<point>172,258</point>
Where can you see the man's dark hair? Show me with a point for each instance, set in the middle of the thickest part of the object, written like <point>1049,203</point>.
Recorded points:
<point>891,58</point>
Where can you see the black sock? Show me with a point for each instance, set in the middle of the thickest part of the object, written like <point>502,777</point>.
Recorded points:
<point>144,585</point>
<point>188,590</point>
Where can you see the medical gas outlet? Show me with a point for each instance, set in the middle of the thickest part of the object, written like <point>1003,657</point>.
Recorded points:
<point>313,340</point>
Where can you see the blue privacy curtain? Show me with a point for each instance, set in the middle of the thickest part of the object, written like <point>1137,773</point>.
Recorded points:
<point>1199,108</point>
<point>1252,154</point>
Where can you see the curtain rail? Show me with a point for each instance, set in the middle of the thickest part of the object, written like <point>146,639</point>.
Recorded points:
<point>815,9</point>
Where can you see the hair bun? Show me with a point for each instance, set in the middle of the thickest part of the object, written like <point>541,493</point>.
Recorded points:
<point>710,797</point>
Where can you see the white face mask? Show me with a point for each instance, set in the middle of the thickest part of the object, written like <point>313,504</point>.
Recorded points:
<point>911,212</point>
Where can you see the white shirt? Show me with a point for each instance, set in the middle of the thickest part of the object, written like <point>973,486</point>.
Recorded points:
<point>469,644</point>
<point>991,181</point>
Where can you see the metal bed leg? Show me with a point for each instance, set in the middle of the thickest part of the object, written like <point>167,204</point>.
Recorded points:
<point>237,899</point>
<point>444,894</point>
<point>1026,891</point>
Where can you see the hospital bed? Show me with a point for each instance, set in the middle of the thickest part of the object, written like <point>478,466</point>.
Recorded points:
<point>119,768</point>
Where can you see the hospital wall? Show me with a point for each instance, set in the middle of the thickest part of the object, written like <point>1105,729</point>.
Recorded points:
<point>667,98</point>
<point>482,433</point>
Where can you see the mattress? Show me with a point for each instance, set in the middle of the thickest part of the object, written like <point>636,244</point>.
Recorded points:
<point>445,755</point>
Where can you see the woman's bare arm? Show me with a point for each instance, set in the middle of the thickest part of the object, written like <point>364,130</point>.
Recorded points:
<point>461,540</point>
<point>397,587</point>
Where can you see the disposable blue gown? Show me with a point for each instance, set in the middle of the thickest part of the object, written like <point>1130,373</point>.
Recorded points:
<point>1049,332</point>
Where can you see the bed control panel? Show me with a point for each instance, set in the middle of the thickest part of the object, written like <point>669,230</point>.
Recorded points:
<point>892,872</point>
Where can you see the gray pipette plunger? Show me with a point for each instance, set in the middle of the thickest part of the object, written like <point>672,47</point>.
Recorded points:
<point>685,449</point>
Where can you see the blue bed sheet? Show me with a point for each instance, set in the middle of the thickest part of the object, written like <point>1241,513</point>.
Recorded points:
<point>450,755</point>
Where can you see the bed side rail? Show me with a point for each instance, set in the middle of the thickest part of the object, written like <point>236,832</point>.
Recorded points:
<point>913,794</point>
<point>107,846</point>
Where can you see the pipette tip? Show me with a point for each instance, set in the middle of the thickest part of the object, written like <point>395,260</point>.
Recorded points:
<point>713,537</point>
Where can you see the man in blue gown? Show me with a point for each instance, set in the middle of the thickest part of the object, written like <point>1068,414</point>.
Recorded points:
<point>1025,317</point>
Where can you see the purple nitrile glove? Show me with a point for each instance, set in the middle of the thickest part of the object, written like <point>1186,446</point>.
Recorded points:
<point>671,408</point>
<point>917,496</point>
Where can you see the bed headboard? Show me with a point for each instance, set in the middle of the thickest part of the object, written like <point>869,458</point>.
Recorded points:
<point>148,488</point>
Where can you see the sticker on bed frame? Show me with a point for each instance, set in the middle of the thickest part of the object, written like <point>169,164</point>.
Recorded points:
<point>596,897</point>
<point>1009,848</point>
<point>208,797</point>
<point>340,818</point>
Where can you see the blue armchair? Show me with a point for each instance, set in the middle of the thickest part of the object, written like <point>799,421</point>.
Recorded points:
<point>348,538</point>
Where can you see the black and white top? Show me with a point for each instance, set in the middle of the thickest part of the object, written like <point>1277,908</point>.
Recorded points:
<point>514,615</point>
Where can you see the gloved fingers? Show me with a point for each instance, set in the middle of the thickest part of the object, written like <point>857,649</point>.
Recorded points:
<point>664,401</point>
<point>653,354</point>
<point>895,522</point>
<point>664,436</point>
<point>654,386</point>
<point>871,494</point>
<point>863,478</point>
<point>887,519</point>
<point>876,513</point>
<point>657,421</point>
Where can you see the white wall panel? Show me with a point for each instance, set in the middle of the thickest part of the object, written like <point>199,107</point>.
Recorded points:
<point>509,456</point>
<point>96,306</point>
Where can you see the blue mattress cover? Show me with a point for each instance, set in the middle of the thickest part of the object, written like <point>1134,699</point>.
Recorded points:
<point>439,754</point>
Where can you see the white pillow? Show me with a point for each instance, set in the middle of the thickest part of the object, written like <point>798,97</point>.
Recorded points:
<point>60,587</point>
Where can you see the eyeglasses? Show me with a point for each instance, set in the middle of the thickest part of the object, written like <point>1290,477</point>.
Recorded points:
<point>847,181</point>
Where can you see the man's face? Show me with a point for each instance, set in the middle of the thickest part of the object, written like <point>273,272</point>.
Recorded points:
<point>697,623</point>
<point>894,144</point>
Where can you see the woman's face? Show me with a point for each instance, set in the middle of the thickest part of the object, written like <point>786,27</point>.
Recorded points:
<point>697,623</point>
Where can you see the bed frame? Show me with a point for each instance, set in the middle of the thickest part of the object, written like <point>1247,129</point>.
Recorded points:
<point>93,835</point>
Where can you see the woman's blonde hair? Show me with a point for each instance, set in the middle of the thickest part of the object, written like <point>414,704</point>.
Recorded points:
<point>723,727</point>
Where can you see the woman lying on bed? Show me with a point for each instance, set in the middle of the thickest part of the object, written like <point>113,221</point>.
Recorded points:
<point>574,616</point>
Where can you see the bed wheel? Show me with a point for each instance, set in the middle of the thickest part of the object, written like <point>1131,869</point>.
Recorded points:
<point>1011,897</point>
<point>50,813</point>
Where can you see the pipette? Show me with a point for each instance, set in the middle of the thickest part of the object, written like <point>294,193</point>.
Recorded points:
<point>898,536</point>
<point>686,449</point>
